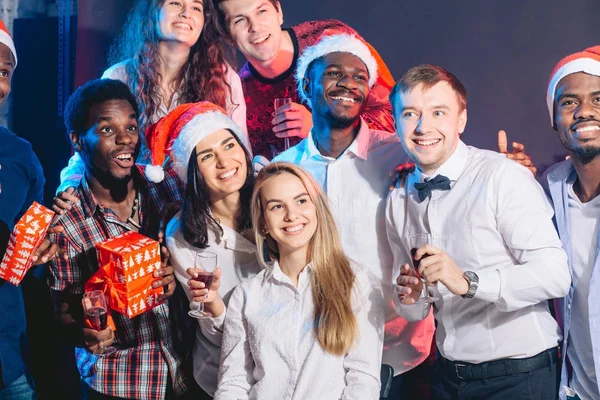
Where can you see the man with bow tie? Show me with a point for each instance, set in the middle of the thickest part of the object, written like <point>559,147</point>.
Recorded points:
<point>480,231</point>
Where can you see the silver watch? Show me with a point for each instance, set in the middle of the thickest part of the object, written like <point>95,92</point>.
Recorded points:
<point>473,280</point>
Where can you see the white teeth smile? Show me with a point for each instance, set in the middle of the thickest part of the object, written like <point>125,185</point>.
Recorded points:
<point>342,98</point>
<point>182,25</point>
<point>124,156</point>
<point>260,40</point>
<point>293,229</point>
<point>228,174</point>
<point>588,129</point>
<point>426,142</point>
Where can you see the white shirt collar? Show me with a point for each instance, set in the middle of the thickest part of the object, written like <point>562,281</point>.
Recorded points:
<point>452,168</point>
<point>273,271</point>
<point>359,146</point>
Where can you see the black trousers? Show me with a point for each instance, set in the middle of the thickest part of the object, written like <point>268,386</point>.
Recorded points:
<point>414,384</point>
<point>539,384</point>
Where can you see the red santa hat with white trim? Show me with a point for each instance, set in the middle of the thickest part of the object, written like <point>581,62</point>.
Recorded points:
<point>587,61</point>
<point>333,41</point>
<point>176,135</point>
<point>7,40</point>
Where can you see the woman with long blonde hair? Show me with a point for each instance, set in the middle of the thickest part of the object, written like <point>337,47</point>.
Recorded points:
<point>300,328</point>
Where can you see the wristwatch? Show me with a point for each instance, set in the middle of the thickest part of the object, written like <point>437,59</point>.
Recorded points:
<point>473,280</point>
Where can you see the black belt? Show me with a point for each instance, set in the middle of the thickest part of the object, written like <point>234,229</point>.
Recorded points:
<point>503,367</point>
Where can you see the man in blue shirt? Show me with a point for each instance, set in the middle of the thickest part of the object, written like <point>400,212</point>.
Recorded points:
<point>21,183</point>
<point>573,100</point>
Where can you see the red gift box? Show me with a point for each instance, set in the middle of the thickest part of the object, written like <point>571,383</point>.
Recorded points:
<point>24,240</point>
<point>128,262</point>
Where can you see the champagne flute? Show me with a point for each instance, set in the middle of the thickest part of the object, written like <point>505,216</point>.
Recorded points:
<point>96,313</point>
<point>205,261</point>
<point>278,103</point>
<point>418,241</point>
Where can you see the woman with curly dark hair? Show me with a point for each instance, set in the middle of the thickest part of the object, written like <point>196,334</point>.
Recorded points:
<point>172,52</point>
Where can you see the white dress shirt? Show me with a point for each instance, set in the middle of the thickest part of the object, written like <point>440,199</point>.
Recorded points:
<point>270,350</point>
<point>496,221</point>
<point>357,184</point>
<point>583,220</point>
<point>236,256</point>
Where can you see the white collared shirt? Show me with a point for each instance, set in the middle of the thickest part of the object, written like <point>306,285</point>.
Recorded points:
<point>583,226</point>
<point>236,256</point>
<point>270,350</point>
<point>496,221</point>
<point>357,184</point>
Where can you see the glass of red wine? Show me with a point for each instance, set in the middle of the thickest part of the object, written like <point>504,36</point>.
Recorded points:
<point>206,262</point>
<point>96,313</point>
<point>418,241</point>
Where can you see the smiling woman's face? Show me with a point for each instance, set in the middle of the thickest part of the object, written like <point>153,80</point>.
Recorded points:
<point>289,214</point>
<point>222,163</point>
<point>181,21</point>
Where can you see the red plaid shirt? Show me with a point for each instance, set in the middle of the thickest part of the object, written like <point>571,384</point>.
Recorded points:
<point>152,346</point>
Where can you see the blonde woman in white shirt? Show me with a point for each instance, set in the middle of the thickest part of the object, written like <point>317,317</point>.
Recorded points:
<point>300,328</point>
<point>205,149</point>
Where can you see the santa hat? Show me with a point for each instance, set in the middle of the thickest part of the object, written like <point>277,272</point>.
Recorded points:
<point>177,134</point>
<point>7,40</point>
<point>587,61</point>
<point>332,41</point>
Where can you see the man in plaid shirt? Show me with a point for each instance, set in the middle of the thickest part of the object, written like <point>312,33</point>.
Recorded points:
<point>152,360</point>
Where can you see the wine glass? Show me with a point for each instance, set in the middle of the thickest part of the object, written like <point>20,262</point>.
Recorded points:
<point>416,242</point>
<point>278,103</point>
<point>205,261</point>
<point>96,313</point>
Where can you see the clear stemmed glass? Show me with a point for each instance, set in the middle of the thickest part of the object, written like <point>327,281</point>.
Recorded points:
<point>206,262</point>
<point>416,242</point>
<point>278,103</point>
<point>96,313</point>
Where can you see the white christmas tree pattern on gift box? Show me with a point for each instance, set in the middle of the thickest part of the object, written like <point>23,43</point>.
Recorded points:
<point>27,234</point>
<point>133,259</point>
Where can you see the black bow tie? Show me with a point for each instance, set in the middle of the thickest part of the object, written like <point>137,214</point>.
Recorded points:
<point>439,182</point>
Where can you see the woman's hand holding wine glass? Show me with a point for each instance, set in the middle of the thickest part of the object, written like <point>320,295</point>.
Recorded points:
<point>204,282</point>
<point>198,289</point>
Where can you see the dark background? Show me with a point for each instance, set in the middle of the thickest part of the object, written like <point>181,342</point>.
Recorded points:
<point>503,51</point>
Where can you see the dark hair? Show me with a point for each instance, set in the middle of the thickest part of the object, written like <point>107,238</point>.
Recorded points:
<point>195,214</point>
<point>201,78</point>
<point>222,18</point>
<point>428,75</point>
<point>89,94</point>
